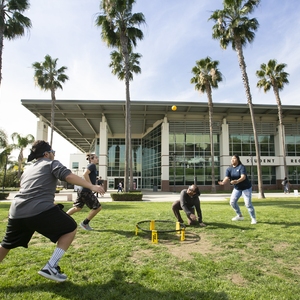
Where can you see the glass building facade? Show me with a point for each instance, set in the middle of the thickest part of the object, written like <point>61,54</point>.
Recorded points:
<point>190,154</point>
<point>151,159</point>
<point>146,160</point>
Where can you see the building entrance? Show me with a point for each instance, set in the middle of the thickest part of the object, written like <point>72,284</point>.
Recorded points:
<point>113,182</point>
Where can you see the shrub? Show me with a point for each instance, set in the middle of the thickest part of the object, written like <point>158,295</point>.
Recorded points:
<point>130,196</point>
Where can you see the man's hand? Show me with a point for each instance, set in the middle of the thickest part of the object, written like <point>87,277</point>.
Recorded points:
<point>98,189</point>
<point>193,217</point>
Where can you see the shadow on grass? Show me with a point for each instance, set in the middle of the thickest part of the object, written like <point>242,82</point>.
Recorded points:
<point>126,233</point>
<point>261,202</point>
<point>213,225</point>
<point>283,224</point>
<point>281,203</point>
<point>116,288</point>
<point>120,205</point>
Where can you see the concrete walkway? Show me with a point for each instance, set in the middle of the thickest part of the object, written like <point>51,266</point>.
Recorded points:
<point>159,196</point>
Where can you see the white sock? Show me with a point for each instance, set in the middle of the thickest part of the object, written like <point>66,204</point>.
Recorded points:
<point>56,256</point>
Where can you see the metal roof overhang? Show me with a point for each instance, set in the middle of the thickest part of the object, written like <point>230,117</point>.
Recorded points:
<point>78,120</point>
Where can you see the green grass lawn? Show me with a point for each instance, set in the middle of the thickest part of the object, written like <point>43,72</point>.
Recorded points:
<point>225,260</point>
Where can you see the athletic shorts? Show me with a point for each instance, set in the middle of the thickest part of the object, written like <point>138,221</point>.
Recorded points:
<point>52,223</point>
<point>88,199</point>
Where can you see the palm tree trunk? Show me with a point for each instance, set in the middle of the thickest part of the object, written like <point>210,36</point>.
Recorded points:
<point>212,151</point>
<point>128,157</point>
<point>5,170</point>
<point>20,160</point>
<point>242,65</point>
<point>276,92</point>
<point>52,114</point>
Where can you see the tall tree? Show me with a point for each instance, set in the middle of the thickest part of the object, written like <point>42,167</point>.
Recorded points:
<point>12,22</point>
<point>272,75</point>
<point>119,29</point>
<point>49,78</point>
<point>118,65</point>
<point>232,26</point>
<point>118,68</point>
<point>207,76</point>
<point>21,142</point>
<point>3,147</point>
<point>5,150</point>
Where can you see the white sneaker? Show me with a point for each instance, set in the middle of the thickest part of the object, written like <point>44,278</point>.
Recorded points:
<point>53,274</point>
<point>253,221</point>
<point>237,218</point>
<point>86,226</point>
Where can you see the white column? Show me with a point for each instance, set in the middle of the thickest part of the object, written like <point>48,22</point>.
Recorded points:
<point>103,149</point>
<point>224,148</point>
<point>279,152</point>
<point>165,150</point>
<point>41,130</point>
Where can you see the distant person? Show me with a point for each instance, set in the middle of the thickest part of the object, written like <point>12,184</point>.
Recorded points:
<point>120,187</point>
<point>86,196</point>
<point>33,209</point>
<point>286,184</point>
<point>100,182</point>
<point>188,202</point>
<point>236,174</point>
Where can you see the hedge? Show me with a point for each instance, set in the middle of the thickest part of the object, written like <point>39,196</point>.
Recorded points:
<point>130,196</point>
<point>3,196</point>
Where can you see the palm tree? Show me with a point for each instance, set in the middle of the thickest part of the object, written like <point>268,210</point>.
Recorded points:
<point>207,76</point>
<point>49,78</point>
<point>3,148</point>
<point>118,68</point>
<point>273,75</point>
<point>234,27</point>
<point>21,143</point>
<point>12,22</point>
<point>118,30</point>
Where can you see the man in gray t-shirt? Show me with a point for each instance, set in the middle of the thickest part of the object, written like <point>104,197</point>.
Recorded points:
<point>33,209</point>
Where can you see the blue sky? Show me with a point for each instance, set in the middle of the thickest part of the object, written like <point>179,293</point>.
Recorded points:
<point>176,34</point>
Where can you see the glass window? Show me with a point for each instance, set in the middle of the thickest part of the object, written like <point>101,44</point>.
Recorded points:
<point>244,144</point>
<point>75,165</point>
<point>292,145</point>
<point>151,158</point>
<point>192,160</point>
<point>294,175</point>
<point>268,174</point>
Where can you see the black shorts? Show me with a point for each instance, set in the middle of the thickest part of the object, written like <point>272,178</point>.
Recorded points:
<point>52,223</point>
<point>87,198</point>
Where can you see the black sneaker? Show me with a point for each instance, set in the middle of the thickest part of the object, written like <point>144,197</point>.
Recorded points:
<point>53,274</point>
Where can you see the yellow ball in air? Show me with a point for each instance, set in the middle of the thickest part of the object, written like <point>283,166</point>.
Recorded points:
<point>174,107</point>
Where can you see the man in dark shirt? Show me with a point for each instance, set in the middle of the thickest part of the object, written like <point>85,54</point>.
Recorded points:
<point>188,202</point>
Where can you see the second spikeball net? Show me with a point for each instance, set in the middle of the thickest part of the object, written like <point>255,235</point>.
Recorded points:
<point>160,226</point>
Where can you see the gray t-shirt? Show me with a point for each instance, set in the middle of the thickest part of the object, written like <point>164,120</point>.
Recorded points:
<point>37,191</point>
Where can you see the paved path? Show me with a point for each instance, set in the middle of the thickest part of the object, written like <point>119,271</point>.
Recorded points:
<point>160,196</point>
